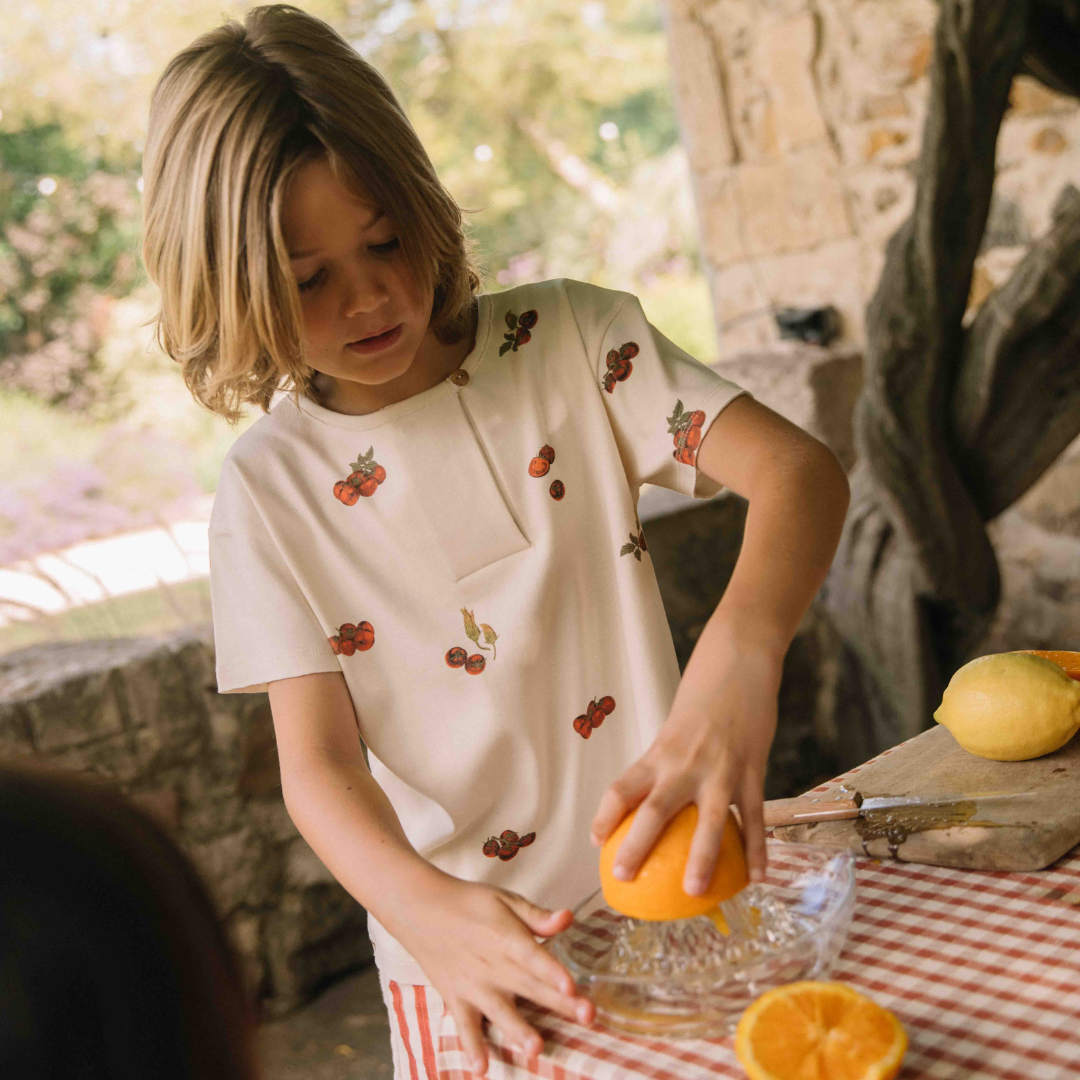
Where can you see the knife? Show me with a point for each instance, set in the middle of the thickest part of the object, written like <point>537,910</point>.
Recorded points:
<point>803,809</point>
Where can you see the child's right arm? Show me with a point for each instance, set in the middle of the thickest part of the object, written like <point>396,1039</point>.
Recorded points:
<point>475,942</point>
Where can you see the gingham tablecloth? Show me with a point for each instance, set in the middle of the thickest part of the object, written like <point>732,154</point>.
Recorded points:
<point>981,967</point>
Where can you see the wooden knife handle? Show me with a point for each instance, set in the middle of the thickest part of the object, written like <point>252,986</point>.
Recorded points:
<point>796,811</point>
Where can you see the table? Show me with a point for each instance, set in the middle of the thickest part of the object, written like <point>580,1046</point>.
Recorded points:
<point>981,967</point>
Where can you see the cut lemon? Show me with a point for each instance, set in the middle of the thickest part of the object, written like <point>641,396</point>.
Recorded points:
<point>819,1031</point>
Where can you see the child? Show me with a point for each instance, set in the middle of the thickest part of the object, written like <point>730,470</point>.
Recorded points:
<point>433,539</point>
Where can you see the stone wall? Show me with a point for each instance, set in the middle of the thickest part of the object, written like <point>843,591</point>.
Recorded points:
<point>146,713</point>
<point>802,121</point>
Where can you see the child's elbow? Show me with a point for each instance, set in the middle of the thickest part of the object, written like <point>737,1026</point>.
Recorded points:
<point>827,477</point>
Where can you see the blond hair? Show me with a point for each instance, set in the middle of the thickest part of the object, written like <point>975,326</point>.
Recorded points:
<point>232,118</point>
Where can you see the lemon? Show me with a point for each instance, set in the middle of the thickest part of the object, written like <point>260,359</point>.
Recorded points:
<point>1011,706</point>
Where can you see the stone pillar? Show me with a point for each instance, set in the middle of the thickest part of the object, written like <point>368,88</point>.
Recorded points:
<point>801,121</point>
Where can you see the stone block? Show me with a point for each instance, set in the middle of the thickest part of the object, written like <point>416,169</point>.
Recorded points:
<point>242,868</point>
<point>785,51</point>
<point>260,773</point>
<point>1040,587</point>
<point>1028,97</point>
<point>719,215</point>
<point>698,91</point>
<point>792,205</point>
<point>312,932</point>
<point>830,274</point>
<point>245,932</point>
<point>114,757</point>
<point>16,737</point>
<point>303,868</point>
<point>74,711</point>
<point>1053,501</point>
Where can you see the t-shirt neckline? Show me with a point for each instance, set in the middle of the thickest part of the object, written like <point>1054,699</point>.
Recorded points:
<point>399,409</point>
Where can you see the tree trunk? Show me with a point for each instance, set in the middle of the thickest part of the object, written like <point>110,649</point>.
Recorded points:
<point>953,426</point>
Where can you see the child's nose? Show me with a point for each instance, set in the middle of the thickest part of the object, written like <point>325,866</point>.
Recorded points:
<point>364,292</point>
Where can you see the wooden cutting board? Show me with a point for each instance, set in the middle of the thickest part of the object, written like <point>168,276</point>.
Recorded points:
<point>1024,833</point>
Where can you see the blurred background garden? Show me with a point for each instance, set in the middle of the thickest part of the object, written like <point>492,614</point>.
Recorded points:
<point>552,124</point>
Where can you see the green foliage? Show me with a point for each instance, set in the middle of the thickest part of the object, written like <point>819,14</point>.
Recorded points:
<point>68,237</point>
<point>533,83</point>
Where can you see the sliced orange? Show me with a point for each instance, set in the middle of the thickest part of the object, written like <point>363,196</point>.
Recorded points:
<point>819,1031</point>
<point>656,893</point>
<point>1070,661</point>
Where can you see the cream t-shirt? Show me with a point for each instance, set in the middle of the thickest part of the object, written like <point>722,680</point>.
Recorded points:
<point>470,559</point>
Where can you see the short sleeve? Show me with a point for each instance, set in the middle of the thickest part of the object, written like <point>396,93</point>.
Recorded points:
<point>660,402</point>
<point>264,628</point>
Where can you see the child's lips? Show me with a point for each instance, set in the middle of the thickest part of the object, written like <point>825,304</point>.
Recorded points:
<point>377,342</point>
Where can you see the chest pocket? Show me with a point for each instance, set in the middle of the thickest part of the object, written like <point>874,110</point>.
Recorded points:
<point>456,487</point>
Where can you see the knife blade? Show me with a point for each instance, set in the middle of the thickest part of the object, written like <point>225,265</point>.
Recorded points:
<point>802,809</point>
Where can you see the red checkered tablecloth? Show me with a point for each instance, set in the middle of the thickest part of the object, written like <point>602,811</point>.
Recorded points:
<point>981,967</point>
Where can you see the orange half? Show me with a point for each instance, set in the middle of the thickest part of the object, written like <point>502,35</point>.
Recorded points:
<point>819,1030</point>
<point>1070,661</point>
<point>656,893</point>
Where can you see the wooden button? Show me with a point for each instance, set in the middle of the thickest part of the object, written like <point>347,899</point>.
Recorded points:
<point>459,377</point>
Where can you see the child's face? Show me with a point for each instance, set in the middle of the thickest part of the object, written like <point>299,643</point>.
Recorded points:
<point>354,283</point>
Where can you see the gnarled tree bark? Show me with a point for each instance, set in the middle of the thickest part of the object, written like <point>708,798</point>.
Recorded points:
<point>953,425</point>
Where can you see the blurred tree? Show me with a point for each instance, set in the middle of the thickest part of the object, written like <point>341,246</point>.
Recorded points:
<point>91,64</point>
<point>68,233</point>
<point>552,122</point>
<point>548,119</point>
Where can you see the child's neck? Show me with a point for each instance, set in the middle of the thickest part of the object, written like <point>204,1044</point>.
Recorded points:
<point>433,362</point>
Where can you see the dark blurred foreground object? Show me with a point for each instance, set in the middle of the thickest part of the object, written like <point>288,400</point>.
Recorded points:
<point>113,963</point>
<point>818,326</point>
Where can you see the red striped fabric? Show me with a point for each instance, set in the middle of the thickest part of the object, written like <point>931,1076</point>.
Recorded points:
<point>403,1029</point>
<point>423,1022</point>
<point>982,968</point>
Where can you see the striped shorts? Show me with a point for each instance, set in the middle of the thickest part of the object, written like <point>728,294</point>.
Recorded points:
<point>416,1020</point>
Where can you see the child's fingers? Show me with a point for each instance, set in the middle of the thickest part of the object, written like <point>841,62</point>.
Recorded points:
<point>752,812</point>
<point>652,815</point>
<point>580,1009</point>
<point>532,957</point>
<point>469,1019</point>
<point>540,920</point>
<point>705,845</point>
<point>620,798</point>
<point>499,1010</point>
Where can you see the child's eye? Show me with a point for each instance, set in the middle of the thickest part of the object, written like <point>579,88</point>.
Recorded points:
<point>385,249</point>
<point>311,282</point>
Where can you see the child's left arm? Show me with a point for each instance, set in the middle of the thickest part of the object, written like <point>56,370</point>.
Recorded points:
<point>713,746</point>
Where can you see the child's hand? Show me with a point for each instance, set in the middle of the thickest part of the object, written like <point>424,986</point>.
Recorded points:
<point>476,944</point>
<point>711,751</point>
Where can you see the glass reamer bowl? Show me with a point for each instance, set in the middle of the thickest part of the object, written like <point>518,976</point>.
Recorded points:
<point>686,977</point>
